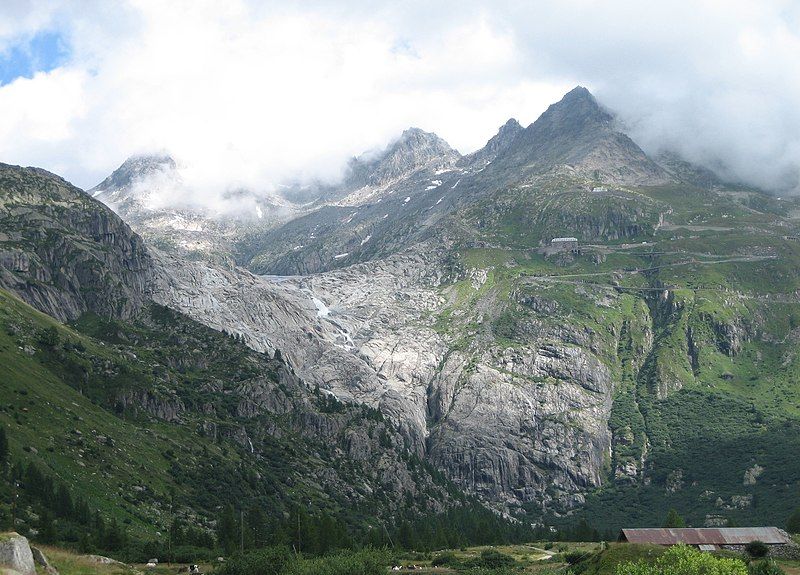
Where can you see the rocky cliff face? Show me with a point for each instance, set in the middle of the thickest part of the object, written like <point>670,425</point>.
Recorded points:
<point>258,401</point>
<point>515,426</point>
<point>64,253</point>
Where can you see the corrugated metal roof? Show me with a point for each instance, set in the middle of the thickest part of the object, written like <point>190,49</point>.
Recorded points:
<point>706,536</point>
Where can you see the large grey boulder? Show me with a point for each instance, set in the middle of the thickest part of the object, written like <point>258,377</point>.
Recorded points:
<point>15,554</point>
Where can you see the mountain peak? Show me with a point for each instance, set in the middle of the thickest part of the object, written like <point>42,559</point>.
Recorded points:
<point>142,180</point>
<point>579,92</point>
<point>136,168</point>
<point>576,110</point>
<point>510,129</point>
<point>497,144</point>
<point>580,134</point>
<point>579,97</point>
<point>417,138</point>
<point>415,149</point>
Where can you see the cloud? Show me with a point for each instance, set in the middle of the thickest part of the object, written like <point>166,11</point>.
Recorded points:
<point>248,94</point>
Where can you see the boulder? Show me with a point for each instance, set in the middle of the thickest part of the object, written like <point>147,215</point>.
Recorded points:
<point>15,554</point>
<point>101,560</point>
<point>41,559</point>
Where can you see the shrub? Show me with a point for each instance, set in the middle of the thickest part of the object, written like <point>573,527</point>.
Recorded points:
<point>683,560</point>
<point>575,557</point>
<point>793,523</point>
<point>756,549</point>
<point>674,520</point>
<point>492,559</point>
<point>267,561</point>
<point>445,559</point>
<point>364,562</point>
<point>485,571</point>
<point>768,567</point>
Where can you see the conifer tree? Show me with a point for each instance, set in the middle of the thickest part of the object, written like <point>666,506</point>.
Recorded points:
<point>793,523</point>
<point>3,445</point>
<point>228,530</point>
<point>674,520</point>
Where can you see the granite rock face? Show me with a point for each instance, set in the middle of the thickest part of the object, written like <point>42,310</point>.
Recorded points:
<point>63,252</point>
<point>367,334</point>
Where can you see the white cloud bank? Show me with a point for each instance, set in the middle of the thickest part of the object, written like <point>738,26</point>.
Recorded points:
<point>247,94</point>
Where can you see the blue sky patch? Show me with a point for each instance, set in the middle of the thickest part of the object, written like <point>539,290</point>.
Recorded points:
<point>39,53</point>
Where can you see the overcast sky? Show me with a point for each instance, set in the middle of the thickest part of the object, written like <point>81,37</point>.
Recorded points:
<point>248,93</point>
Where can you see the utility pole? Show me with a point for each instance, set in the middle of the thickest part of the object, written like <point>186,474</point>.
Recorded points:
<point>241,529</point>
<point>169,535</point>
<point>387,534</point>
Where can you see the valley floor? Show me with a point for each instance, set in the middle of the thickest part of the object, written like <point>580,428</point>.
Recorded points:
<point>535,557</point>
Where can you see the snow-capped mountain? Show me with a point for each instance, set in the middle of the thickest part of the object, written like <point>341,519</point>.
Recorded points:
<point>150,194</point>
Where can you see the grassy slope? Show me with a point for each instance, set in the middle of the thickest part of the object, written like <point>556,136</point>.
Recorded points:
<point>61,409</point>
<point>63,426</point>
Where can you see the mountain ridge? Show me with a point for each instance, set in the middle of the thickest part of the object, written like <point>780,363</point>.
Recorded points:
<point>549,380</point>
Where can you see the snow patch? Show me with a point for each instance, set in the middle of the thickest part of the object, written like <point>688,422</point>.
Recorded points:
<point>434,184</point>
<point>259,212</point>
<point>453,187</point>
<point>322,309</point>
<point>366,239</point>
<point>440,200</point>
<point>340,256</point>
<point>179,222</point>
<point>408,199</point>
<point>385,216</point>
<point>328,392</point>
